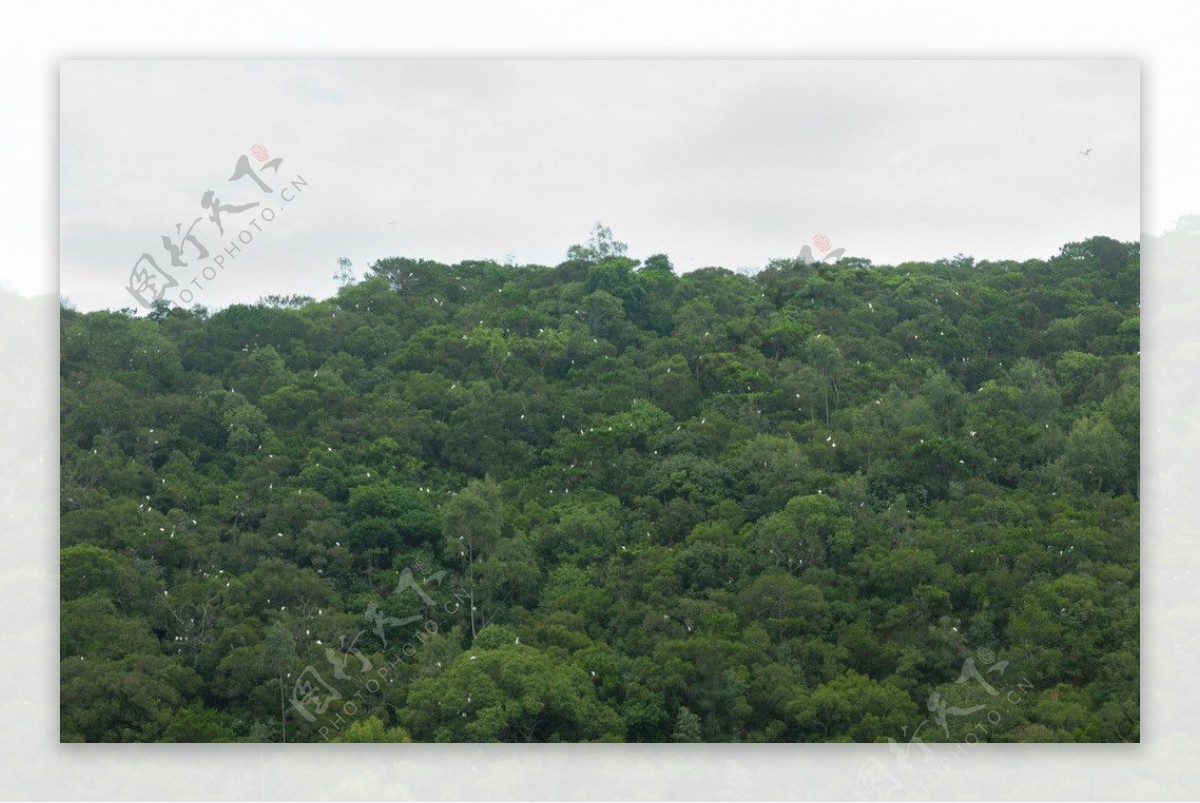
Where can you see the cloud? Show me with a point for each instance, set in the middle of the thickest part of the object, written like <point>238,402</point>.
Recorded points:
<point>712,162</point>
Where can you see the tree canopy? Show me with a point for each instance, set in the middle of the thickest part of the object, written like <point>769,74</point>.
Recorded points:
<point>600,501</point>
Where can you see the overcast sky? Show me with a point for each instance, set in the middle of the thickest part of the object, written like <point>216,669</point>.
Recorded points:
<point>728,163</point>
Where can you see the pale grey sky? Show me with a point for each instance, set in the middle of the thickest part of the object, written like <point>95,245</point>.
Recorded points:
<point>728,163</point>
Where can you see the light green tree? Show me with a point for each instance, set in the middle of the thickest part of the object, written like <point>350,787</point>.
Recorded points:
<point>600,245</point>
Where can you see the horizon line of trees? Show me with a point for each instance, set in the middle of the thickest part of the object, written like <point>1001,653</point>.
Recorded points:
<point>697,507</point>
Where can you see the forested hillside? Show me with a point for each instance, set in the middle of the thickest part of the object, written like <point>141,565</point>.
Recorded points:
<point>603,501</point>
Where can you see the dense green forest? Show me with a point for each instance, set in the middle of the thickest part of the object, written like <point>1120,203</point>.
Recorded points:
<point>603,501</point>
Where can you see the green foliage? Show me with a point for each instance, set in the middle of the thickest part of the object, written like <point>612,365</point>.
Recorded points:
<point>601,501</point>
<point>600,245</point>
<point>372,730</point>
<point>513,693</point>
<point>687,727</point>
